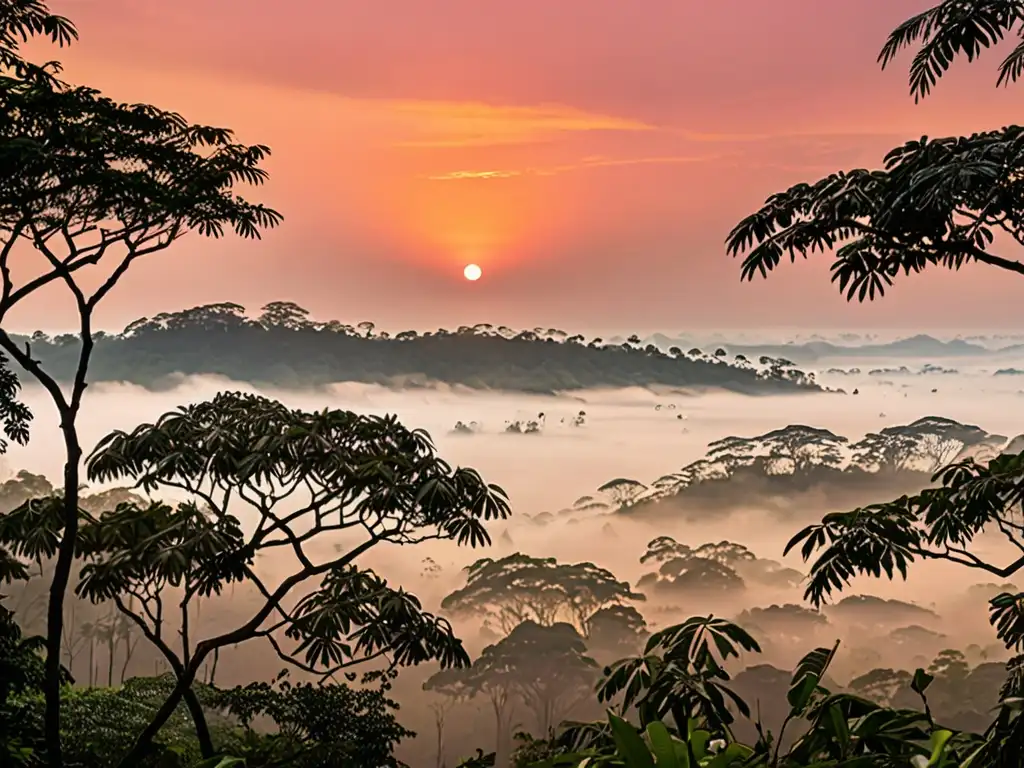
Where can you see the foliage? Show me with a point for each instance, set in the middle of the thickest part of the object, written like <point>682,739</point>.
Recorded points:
<point>86,181</point>
<point>680,724</point>
<point>937,202</point>
<point>545,666</point>
<point>518,588</point>
<point>15,416</point>
<point>337,471</point>
<point>21,674</point>
<point>681,674</point>
<point>798,457</point>
<point>317,726</point>
<point>938,524</point>
<point>300,353</point>
<point>715,567</point>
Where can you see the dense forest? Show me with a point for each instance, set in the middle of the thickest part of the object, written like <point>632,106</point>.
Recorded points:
<point>282,347</point>
<point>239,522</point>
<point>780,466</point>
<point>547,630</point>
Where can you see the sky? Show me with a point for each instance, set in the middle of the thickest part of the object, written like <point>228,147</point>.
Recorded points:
<point>590,155</point>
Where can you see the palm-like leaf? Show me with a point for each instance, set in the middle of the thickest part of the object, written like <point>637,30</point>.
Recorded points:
<point>954,28</point>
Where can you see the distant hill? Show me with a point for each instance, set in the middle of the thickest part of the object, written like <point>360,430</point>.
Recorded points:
<point>921,346</point>
<point>284,348</point>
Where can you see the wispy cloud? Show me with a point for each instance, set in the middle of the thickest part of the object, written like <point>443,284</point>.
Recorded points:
<point>466,124</point>
<point>584,164</point>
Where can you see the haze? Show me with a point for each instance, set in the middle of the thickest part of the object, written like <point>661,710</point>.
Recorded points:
<point>628,433</point>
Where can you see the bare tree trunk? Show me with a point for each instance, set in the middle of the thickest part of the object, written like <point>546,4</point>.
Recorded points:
<point>58,589</point>
<point>439,717</point>
<point>199,719</point>
<point>129,650</point>
<point>92,661</point>
<point>111,645</point>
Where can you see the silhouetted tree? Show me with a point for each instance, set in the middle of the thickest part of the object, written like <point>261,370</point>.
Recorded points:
<point>520,588</point>
<point>247,449</point>
<point>86,180</point>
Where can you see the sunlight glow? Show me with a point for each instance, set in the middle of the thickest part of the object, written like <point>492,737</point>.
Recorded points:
<point>472,272</point>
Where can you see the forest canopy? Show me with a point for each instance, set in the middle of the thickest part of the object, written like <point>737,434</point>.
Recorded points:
<point>283,347</point>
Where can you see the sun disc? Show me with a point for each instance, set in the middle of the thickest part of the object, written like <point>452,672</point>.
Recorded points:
<point>472,272</point>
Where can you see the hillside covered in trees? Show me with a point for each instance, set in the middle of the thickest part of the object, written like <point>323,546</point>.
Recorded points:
<point>778,466</point>
<point>282,347</point>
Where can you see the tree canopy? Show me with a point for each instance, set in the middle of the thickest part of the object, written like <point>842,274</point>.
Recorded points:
<point>303,474</point>
<point>520,588</point>
<point>284,347</point>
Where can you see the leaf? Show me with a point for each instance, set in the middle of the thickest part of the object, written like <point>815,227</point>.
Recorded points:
<point>921,681</point>
<point>630,746</point>
<point>938,743</point>
<point>667,752</point>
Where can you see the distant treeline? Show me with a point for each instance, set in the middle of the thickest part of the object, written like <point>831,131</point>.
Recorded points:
<point>282,347</point>
<point>777,466</point>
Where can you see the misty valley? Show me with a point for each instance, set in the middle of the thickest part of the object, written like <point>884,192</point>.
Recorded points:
<point>582,569</point>
<point>263,539</point>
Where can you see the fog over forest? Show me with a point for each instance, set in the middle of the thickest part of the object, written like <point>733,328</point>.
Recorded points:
<point>581,441</point>
<point>234,537</point>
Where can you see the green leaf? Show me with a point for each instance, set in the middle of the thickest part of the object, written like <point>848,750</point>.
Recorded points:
<point>630,746</point>
<point>939,741</point>
<point>666,749</point>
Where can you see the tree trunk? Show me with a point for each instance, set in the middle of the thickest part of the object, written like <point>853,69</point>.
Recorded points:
<point>134,756</point>
<point>111,644</point>
<point>58,590</point>
<point>199,719</point>
<point>439,725</point>
<point>92,661</point>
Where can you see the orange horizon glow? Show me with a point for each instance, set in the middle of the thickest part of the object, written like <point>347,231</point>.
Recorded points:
<point>588,155</point>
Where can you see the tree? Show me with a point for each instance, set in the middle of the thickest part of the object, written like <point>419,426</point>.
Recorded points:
<point>450,687</point>
<point>889,450</point>
<point>930,443</point>
<point>302,475</point>
<point>786,623</point>
<point>795,449</point>
<point>623,490</point>
<point>881,685</point>
<point>877,612</point>
<point>617,630</point>
<point>663,549</point>
<point>936,202</point>
<point>693,576</point>
<point>546,666</point>
<point>284,314</point>
<point>519,588</point>
<point>86,180</point>
<point>320,725</point>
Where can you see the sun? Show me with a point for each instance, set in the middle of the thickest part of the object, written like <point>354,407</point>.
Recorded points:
<point>472,272</point>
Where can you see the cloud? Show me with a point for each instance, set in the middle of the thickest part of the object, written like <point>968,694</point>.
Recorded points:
<point>585,163</point>
<point>469,124</point>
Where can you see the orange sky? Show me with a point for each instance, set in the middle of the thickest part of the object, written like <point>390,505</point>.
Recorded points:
<point>590,155</point>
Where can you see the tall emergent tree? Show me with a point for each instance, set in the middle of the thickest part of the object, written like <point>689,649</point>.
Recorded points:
<point>298,477</point>
<point>88,183</point>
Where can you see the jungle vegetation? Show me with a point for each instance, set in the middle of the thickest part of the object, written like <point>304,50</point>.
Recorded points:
<point>72,160</point>
<point>283,347</point>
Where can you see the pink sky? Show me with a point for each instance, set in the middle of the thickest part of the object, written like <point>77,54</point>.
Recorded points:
<point>590,155</point>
